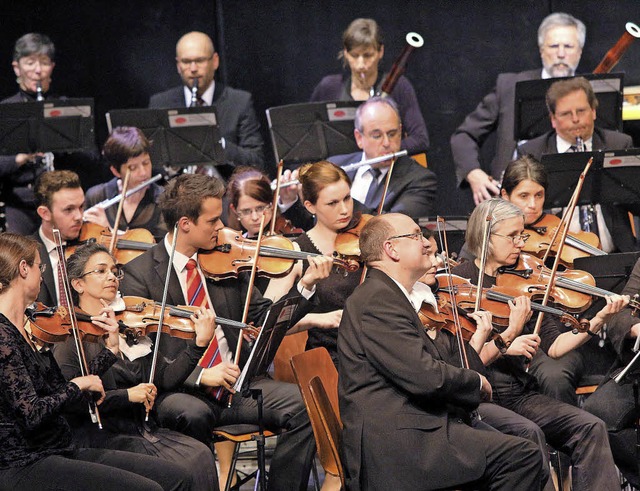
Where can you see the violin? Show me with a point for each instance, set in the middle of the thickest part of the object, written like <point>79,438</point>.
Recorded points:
<point>130,244</point>
<point>573,288</point>
<point>235,254</point>
<point>53,324</point>
<point>576,245</point>
<point>285,227</point>
<point>443,319</point>
<point>496,300</point>
<point>347,243</point>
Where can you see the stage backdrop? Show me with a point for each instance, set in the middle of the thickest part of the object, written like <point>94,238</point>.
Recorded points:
<point>120,52</point>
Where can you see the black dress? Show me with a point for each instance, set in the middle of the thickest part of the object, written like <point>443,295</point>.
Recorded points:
<point>331,294</point>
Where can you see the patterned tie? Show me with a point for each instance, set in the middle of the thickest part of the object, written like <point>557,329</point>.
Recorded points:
<point>198,297</point>
<point>373,187</point>
<point>63,296</point>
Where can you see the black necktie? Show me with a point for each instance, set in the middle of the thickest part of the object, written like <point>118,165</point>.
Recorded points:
<point>373,188</point>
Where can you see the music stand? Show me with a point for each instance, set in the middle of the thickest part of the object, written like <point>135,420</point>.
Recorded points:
<point>605,183</point>
<point>611,271</point>
<point>532,115</point>
<point>181,136</point>
<point>312,131</point>
<point>56,125</point>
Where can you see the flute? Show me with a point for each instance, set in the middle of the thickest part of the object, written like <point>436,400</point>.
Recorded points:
<point>116,199</point>
<point>350,167</point>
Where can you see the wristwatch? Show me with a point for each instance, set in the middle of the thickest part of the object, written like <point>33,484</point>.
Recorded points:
<point>501,344</point>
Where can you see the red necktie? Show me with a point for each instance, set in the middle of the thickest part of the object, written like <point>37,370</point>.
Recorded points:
<point>63,296</point>
<point>198,297</point>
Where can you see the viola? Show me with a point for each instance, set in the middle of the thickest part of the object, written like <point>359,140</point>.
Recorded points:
<point>130,244</point>
<point>576,245</point>
<point>235,254</point>
<point>496,300</point>
<point>53,324</point>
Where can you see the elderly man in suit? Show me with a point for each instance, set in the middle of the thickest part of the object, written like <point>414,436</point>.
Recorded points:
<point>572,108</point>
<point>561,38</point>
<point>403,408</point>
<point>193,203</point>
<point>197,61</point>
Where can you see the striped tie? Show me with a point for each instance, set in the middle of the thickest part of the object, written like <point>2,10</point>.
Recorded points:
<point>198,297</point>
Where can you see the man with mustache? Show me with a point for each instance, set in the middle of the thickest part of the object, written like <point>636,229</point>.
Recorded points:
<point>561,38</point>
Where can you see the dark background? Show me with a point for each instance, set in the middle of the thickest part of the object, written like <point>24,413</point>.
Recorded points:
<point>122,51</point>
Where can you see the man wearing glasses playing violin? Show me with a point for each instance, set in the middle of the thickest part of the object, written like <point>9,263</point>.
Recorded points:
<point>193,202</point>
<point>405,410</point>
<point>197,61</point>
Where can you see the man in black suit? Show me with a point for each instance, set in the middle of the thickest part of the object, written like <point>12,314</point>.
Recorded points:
<point>197,61</point>
<point>403,408</point>
<point>193,202</point>
<point>572,108</point>
<point>561,38</point>
<point>60,205</point>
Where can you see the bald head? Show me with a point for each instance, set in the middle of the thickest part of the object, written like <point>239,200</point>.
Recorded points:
<point>196,59</point>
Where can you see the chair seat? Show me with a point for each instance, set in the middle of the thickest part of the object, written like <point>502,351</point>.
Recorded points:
<point>240,432</point>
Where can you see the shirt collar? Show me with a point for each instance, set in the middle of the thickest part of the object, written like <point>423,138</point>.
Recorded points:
<point>179,260</point>
<point>563,145</point>
<point>207,96</point>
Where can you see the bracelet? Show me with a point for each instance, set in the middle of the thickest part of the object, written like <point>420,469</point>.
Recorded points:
<point>501,344</point>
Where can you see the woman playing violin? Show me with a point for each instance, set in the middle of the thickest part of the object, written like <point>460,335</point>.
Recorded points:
<point>575,431</point>
<point>95,278</point>
<point>38,452</point>
<point>127,149</point>
<point>327,192</point>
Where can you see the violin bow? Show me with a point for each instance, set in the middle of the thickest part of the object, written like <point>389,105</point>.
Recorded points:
<point>442,235</point>
<point>116,225</point>
<point>66,287</point>
<point>276,197</point>
<point>163,308</point>
<point>483,256</point>
<point>247,302</point>
<point>564,226</point>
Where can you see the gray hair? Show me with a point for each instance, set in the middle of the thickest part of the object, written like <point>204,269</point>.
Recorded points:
<point>34,43</point>
<point>388,101</point>
<point>500,209</point>
<point>560,19</point>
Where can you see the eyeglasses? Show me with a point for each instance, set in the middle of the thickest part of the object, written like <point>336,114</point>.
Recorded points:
<point>41,266</point>
<point>515,238</point>
<point>198,61</point>
<point>116,271</point>
<point>247,212</point>
<point>414,236</point>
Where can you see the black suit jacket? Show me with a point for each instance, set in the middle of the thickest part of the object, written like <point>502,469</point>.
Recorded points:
<point>396,394</point>
<point>495,113</point>
<point>145,277</point>
<point>412,189</point>
<point>236,118</point>
<point>47,293</point>
<point>615,217</point>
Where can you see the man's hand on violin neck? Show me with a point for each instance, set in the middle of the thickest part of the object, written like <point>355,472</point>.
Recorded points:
<point>204,321</point>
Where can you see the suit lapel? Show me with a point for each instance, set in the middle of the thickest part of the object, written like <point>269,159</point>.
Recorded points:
<point>161,259</point>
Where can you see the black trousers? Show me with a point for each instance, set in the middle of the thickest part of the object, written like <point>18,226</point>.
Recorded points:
<point>98,470</point>
<point>571,430</point>
<point>196,416</point>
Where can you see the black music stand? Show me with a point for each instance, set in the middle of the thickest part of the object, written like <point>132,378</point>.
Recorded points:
<point>532,115</point>
<point>264,350</point>
<point>181,136</point>
<point>312,131</point>
<point>604,183</point>
<point>57,125</point>
<point>610,271</point>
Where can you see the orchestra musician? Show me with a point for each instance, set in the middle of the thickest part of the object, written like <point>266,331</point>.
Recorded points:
<point>193,202</point>
<point>362,51</point>
<point>613,401</point>
<point>572,108</point>
<point>60,205</point>
<point>127,148</point>
<point>197,60</point>
<point>38,452</point>
<point>561,38</point>
<point>402,407</point>
<point>327,191</point>
<point>94,278</point>
<point>566,427</point>
<point>524,184</point>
